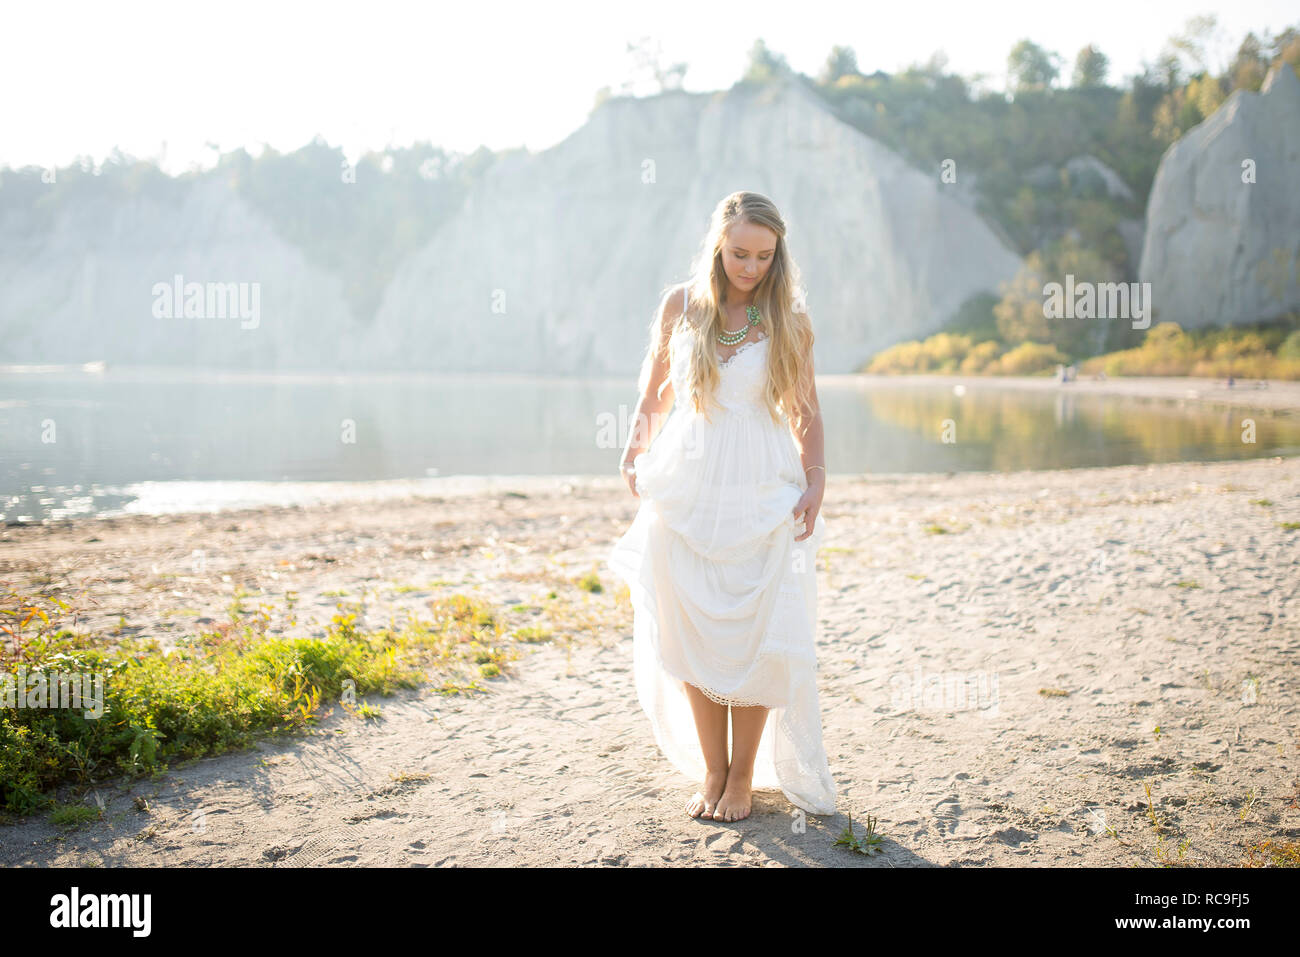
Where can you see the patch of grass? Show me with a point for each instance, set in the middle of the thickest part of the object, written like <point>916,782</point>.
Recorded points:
<point>410,777</point>
<point>72,815</point>
<point>1273,853</point>
<point>1053,693</point>
<point>1162,852</point>
<point>212,695</point>
<point>1161,827</point>
<point>1157,822</point>
<point>869,844</point>
<point>1266,503</point>
<point>1289,526</point>
<point>533,634</point>
<point>219,689</point>
<point>936,530</point>
<point>1187,584</point>
<point>449,688</point>
<point>591,582</point>
<point>577,615</point>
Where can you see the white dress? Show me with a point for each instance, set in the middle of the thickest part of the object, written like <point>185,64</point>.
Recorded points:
<point>723,596</point>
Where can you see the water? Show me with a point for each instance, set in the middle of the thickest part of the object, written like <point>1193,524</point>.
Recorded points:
<point>140,440</point>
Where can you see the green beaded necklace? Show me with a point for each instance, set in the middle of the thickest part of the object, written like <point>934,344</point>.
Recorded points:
<point>731,338</point>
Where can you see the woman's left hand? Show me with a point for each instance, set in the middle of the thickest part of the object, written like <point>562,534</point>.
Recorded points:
<point>809,504</point>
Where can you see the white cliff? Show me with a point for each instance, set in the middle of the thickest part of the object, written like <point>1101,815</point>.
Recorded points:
<point>1220,249</point>
<point>84,290</point>
<point>552,265</point>
<point>555,265</point>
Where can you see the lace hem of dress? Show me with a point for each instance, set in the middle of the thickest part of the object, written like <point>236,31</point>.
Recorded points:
<point>725,699</point>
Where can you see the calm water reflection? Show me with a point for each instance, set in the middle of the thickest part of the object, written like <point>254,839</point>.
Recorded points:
<point>74,443</point>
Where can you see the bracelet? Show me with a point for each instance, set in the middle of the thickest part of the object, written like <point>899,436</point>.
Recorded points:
<point>811,467</point>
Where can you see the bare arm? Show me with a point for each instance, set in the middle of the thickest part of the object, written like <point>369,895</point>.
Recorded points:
<point>656,396</point>
<point>811,439</point>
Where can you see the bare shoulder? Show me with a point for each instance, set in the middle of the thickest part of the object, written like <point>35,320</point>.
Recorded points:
<point>671,311</point>
<point>673,303</point>
<point>679,294</point>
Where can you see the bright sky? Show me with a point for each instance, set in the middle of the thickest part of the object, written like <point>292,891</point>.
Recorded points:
<point>136,75</point>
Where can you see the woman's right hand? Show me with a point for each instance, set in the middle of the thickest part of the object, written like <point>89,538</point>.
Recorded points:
<point>628,469</point>
<point>629,476</point>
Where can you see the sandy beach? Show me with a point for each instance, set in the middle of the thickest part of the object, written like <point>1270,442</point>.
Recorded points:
<point>1128,627</point>
<point>1051,581</point>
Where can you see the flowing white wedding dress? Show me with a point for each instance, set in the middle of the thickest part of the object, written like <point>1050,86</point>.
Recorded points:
<point>723,596</point>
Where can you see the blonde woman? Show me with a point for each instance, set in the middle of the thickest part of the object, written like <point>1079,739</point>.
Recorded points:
<point>721,557</point>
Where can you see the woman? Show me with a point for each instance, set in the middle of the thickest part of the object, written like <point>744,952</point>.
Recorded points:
<point>721,557</point>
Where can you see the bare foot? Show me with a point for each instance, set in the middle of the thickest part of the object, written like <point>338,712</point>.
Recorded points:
<point>706,798</point>
<point>735,801</point>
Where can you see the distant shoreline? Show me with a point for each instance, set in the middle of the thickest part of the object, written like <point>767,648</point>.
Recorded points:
<point>1281,394</point>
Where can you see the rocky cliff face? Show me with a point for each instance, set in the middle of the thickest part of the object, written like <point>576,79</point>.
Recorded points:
<point>578,241</point>
<point>87,288</point>
<point>1219,249</point>
<point>553,265</point>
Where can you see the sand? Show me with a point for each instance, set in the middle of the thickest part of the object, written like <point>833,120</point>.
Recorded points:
<point>1060,590</point>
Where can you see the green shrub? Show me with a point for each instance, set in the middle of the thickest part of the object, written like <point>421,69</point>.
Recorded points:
<point>209,696</point>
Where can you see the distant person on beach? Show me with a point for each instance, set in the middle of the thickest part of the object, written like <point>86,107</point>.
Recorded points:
<point>721,557</point>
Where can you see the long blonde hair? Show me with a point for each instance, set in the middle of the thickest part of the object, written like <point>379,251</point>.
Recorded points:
<point>780,301</point>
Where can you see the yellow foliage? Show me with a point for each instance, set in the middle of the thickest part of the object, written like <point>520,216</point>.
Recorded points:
<point>1027,359</point>
<point>980,357</point>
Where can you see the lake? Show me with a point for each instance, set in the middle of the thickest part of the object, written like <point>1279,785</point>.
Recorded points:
<point>158,440</point>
